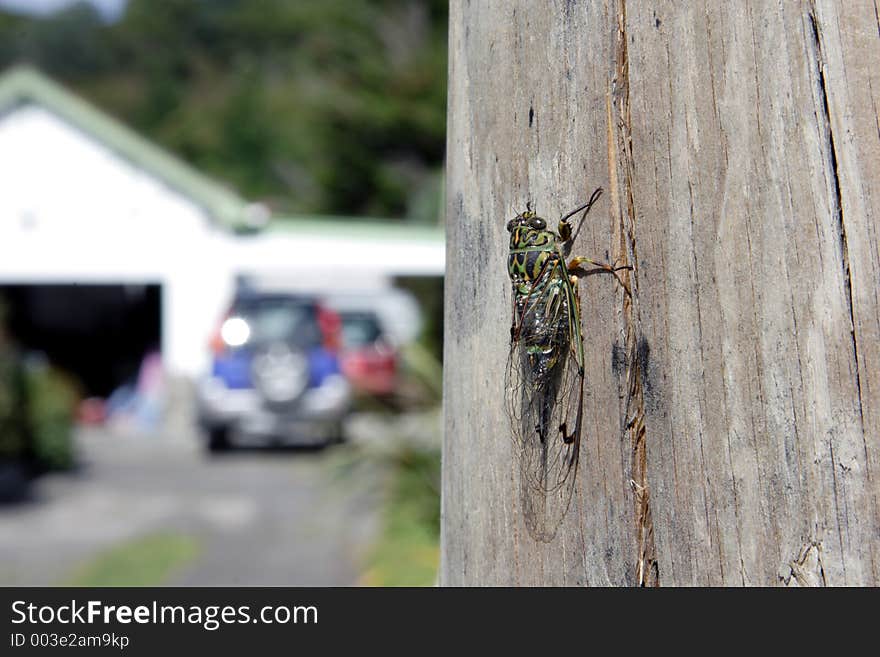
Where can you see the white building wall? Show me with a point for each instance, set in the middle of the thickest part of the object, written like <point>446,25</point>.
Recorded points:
<point>74,211</point>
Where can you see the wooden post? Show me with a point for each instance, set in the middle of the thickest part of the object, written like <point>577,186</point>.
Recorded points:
<point>732,414</point>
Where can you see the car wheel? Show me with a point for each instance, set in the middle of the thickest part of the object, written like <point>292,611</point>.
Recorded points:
<point>218,439</point>
<point>339,436</point>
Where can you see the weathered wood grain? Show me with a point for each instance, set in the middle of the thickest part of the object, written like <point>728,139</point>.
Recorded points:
<point>732,415</point>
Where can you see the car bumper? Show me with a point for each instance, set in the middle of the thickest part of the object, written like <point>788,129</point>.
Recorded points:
<point>313,419</point>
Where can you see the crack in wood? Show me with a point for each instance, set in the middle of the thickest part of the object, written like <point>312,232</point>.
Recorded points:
<point>838,196</point>
<point>633,413</point>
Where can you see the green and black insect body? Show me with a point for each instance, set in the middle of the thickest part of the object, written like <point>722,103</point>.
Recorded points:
<point>545,369</point>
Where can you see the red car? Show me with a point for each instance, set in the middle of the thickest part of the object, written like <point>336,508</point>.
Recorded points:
<point>367,359</point>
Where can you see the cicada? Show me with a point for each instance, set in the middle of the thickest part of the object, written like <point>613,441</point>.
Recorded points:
<point>545,367</point>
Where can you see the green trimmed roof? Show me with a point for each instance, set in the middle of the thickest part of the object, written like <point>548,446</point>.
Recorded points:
<point>356,228</point>
<point>22,85</point>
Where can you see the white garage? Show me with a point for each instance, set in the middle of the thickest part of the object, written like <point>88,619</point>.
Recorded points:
<point>88,207</point>
<point>85,201</point>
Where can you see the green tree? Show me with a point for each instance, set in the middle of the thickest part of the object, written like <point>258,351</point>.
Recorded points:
<point>325,106</point>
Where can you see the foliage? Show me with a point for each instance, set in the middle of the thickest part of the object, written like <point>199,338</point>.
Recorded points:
<point>37,408</point>
<point>51,406</point>
<point>324,106</point>
<point>408,551</point>
<point>401,456</point>
<point>145,561</point>
<point>13,422</point>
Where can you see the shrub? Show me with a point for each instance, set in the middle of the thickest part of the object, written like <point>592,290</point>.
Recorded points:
<point>13,417</point>
<point>52,400</point>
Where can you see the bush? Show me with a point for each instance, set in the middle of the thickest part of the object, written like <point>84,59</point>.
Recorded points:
<point>13,417</point>
<point>51,408</point>
<point>403,451</point>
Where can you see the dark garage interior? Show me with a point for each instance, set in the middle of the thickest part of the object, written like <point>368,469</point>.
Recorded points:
<point>97,333</point>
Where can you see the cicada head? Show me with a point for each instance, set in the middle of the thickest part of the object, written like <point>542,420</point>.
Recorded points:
<point>528,219</point>
<point>528,229</point>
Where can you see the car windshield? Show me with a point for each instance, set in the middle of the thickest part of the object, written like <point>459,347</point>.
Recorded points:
<point>292,321</point>
<point>359,330</point>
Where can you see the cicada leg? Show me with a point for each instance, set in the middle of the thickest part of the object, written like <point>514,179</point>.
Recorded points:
<point>513,330</point>
<point>574,265</point>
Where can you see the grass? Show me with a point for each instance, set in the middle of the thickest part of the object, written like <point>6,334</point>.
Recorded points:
<point>146,561</point>
<point>408,550</point>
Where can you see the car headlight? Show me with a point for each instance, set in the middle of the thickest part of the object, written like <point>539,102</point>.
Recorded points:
<point>235,331</point>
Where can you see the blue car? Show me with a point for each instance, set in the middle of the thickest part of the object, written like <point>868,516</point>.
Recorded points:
<point>275,376</point>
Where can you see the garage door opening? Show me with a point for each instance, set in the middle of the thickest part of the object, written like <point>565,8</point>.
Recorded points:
<point>97,333</point>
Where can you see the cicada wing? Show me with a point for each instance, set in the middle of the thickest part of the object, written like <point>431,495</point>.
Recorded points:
<point>545,387</point>
<point>549,468</point>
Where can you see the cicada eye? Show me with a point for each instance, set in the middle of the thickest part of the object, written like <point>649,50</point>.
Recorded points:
<point>538,223</point>
<point>510,225</point>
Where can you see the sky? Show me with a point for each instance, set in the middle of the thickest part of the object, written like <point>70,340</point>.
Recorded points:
<point>110,9</point>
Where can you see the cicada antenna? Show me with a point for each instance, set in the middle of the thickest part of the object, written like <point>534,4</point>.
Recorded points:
<point>585,208</point>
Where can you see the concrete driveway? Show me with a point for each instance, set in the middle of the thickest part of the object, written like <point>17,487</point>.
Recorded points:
<point>257,518</point>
